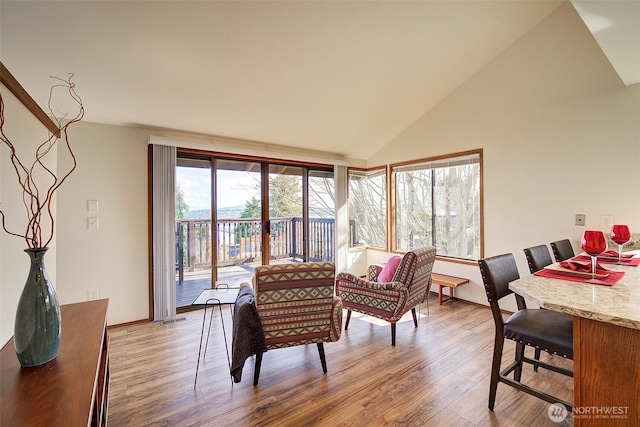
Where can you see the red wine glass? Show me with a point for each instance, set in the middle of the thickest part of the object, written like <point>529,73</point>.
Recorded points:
<point>620,234</point>
<point>593,243</point>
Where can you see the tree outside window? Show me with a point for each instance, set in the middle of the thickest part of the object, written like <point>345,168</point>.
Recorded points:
<point>438,203</point>
<point>368,208</point>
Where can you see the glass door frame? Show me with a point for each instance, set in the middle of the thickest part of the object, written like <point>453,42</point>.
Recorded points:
<point>264,162</point>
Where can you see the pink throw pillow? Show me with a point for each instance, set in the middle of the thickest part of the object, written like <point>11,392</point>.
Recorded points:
<point>389,270</point>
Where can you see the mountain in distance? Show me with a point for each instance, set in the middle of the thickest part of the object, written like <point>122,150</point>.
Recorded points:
<point>223,213</point>
<point>234,212</point>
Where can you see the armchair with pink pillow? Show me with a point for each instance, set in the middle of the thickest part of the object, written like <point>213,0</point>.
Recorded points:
<point>389,300</point>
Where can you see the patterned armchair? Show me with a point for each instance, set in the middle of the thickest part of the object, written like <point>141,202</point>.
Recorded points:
<point>389,301</point>
<point>297,305</point>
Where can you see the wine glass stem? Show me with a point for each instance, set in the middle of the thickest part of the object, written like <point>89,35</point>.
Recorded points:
<point>620,253</point>
<point>593,267</point>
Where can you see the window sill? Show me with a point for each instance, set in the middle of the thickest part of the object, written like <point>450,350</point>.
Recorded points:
<point>457,260</point>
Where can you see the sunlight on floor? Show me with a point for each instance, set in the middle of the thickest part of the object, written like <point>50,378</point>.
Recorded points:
<point>374,320</point>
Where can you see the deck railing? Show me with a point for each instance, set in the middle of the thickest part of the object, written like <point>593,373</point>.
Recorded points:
<point>240,241</point>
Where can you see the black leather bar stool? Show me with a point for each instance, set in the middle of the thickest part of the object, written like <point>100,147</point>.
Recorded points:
<point>562,250</point>
<point>538,257</point>
<point>546,330</point>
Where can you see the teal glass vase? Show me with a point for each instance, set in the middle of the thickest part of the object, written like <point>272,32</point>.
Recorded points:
<point>38,324</point>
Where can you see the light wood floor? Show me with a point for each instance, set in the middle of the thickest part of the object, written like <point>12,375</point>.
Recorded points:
<point>437,375</point>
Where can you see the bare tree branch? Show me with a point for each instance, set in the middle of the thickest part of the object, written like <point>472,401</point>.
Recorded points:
<point>38,182</point>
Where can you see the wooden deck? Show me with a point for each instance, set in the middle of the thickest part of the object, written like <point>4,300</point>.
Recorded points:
<point>194,283</point>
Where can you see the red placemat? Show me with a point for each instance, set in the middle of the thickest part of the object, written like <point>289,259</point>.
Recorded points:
<point>613,277</point>
<point>631,262</point>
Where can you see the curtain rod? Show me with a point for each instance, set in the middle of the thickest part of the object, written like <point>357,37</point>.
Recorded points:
<point>223,146</point>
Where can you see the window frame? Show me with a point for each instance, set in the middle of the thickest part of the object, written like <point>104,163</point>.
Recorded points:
<point>378,170</point>
<point>216,157</point>
<point>437,160</point>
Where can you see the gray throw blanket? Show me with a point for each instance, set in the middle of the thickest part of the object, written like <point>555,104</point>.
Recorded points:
<point>248,335</point>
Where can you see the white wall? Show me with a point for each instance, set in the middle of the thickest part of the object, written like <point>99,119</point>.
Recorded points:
<point>26,133</point>
<point>560,134</point>
<point>112,168</point>
<point>541,111</point>
<point>114,259</point>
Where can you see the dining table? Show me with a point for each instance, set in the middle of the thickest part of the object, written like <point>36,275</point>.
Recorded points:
<point>606,334</point>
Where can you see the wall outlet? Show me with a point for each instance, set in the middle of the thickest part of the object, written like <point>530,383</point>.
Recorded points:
<point>580,219</point>
<point>606,221</point>
<point>93,294</point>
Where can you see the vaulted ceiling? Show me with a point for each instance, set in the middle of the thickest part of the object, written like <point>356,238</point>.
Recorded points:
<point>339,77</point>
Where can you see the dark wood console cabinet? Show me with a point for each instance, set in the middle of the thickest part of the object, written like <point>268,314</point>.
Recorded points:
<point>71,390</point>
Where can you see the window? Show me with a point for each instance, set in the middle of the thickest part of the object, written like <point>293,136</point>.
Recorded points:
<point>368,208</point>
<point>322,206</point>
<point>437,202</point>
<point>236,212</point>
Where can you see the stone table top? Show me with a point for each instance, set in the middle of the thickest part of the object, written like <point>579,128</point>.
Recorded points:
<point>618,304</point>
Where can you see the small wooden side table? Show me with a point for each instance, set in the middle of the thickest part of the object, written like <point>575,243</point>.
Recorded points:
<point>452,282</point>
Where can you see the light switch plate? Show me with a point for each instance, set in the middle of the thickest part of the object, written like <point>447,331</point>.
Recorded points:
<point>92,223</point>
<point>92,206</point>
<point>580,219</point>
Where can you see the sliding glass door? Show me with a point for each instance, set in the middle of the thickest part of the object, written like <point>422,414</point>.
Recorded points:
<point>301,214</point>
<point>239,221</point>
<point>235,214</point>
<point>286,231</point>
<point>321,217</point>
<point>194,235</point>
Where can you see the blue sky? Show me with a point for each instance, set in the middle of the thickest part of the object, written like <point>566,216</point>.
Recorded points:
<point>234,188</point>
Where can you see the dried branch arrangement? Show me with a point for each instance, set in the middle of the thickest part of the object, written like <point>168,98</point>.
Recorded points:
<point>38,182</point>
